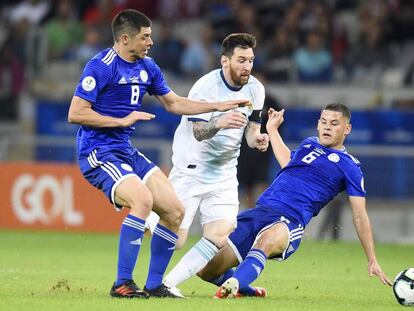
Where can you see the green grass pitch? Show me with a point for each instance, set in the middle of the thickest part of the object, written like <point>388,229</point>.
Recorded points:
<point>74,271</point>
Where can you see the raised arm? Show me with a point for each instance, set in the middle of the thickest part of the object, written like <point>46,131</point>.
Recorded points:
<point>185,106</point>
<point>81,112</point>
<point>280,150</point>
<point>363,229</point>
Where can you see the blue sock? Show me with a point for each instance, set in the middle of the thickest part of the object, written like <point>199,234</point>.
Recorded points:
<point>222,278</point>
<point>251,267</point>
<point>130,238</point>
<point>162,247</point>
<point>248,291</point>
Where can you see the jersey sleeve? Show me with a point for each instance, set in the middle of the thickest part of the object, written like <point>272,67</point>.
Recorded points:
<point>201,93</point>
<point>95,77</point>
<point>158,85</point>
<point>355,181</point>
<point>258,95</point>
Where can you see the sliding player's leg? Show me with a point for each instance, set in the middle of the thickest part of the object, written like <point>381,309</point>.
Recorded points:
<point>272,241</point>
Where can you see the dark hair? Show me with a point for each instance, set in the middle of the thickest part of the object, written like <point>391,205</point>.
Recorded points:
<point>346,112</point>
<point>241,40</point>
<point>129,21</point>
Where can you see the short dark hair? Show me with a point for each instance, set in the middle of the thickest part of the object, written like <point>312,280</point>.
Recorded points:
<point>129,21</point>
<point>241,40</point>
<point>346,112</point>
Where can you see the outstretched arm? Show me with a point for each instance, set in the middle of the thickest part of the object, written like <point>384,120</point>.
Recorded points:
<point>363,229</point>
<point>185,106</point>
<point>280,150</point>
<point>81,112</point>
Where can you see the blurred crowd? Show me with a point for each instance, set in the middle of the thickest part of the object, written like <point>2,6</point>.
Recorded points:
<point>299,41</point>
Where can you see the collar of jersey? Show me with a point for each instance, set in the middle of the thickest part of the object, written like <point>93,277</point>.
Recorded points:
<point>231,88</point>
<point>333,150</point>
<point>124,60</point>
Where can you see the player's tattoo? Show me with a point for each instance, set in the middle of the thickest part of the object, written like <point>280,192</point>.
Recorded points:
<point>205,130</point>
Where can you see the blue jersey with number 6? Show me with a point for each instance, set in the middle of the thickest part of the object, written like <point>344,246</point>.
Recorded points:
<point>115,87</point>
<point>313,177</point>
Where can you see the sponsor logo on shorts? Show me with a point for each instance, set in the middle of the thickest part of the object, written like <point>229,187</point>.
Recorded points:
<point>126,167</point>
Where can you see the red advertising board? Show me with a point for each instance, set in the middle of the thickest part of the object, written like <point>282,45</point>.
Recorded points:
<point>53,197</point>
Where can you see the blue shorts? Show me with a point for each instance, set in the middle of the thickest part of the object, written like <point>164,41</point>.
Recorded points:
<point>106,169</point>
<point>252,222</point>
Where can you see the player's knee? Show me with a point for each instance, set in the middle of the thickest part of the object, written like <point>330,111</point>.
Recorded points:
<point>142,205</point>
<point>218,234</point>
<point>218,239</point>
<point>271,245</point>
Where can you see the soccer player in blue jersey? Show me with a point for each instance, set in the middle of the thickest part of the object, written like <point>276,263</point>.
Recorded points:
<point>106,104</point>
<point>310,177</point>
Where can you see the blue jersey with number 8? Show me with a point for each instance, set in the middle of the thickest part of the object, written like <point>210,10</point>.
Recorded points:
<point>115,87</point>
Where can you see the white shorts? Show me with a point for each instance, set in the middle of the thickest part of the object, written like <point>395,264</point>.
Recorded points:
<point>214,205</point>
<point>215,201</point>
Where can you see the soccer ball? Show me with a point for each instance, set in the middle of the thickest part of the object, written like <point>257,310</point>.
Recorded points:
<point>404,287</point>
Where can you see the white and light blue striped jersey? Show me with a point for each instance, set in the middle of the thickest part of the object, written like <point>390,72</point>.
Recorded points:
<point>214,160</point>
<point>313,177</point>
<point>115,87</point>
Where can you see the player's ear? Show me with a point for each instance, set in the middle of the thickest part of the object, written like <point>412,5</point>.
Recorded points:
<point>224,60</point>
<point>348,128</point>
<point>124,39</point>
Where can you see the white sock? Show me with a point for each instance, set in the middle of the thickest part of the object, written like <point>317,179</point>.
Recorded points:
<point>192,262</point>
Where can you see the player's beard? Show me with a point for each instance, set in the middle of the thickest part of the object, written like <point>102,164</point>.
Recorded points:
<point>238,80</point>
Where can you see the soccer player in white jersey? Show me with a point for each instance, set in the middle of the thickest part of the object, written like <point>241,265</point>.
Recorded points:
<point>107,104</point>
<point>205,151</point>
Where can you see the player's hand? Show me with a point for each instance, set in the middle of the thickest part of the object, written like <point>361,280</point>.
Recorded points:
<point>232,104</point>
<point>375,269</point>
<point>231,120</point>
<point>275,119</point>
<point>262,142</point>
<point>135,116</point>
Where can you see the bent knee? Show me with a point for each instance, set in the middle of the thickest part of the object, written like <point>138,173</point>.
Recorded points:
<point>218,240</point>
<point>141,205</point>
<point>272,245</point>
<point>218,234</point>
